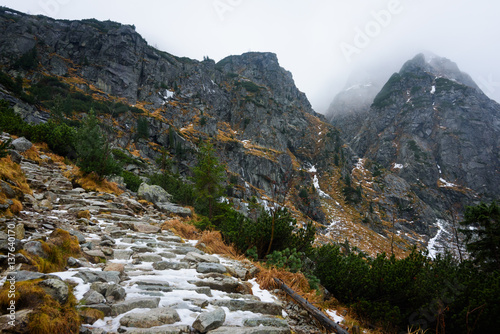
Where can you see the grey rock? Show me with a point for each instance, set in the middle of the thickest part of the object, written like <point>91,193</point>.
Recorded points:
<point>183,250</point>
<point>145,257</point>
<point>131,304</point>
<point>249,305</point>
<point>35,248</point>
<point>205,268</point>
<point>174,208</point>
<point>170,238</point>
<point>153,287</point>
<point>153,193</point>
<point>7,190</point>
<point>251,330</point>
<point>145,228</point>
<point>111,291</point>
<point>93,297</point>
<point>72,262</point>
<point>56,288</point>
<point>95,252</point>
<point>15,156</point>
<point>79,235</point>
<point>207,321</point>
<point>220,283</point>
<point>143,249</point>
<point>155,317</point>
<point>272,322</point>
<point>196,257</point>
<point>25,275</point>
<point>176,329</point>
<point>122,254</point>
<point>108,251</point>
<point>99,276</point>
<point>106,243</point>
<point>164,265</point>
<point>21,144</point>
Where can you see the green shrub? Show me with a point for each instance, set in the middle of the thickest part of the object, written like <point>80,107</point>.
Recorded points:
<point>132,181</point>
<point>125,158</point>
<point>287,259</point>
<point>182,192</point>
<point>5,147</point>
<point>93,149</point>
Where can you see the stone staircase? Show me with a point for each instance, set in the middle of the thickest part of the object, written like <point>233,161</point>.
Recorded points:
<point>149,280</point>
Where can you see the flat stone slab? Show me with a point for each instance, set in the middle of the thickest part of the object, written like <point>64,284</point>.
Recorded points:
<point>122,254</point>
<point>164,265</point>
<point>155,287</point>
<point>145,228</point>
<point>148,257</point>
<point>272,322</point>
<point>250,330</point>
<point>197,257</point>
<point>127,305</point>
<point>155,317</point>
<point>183,250</point>
<point>99,276</point>
<point>249,305</point>
<point>179,329</point>
<point>205,268</point>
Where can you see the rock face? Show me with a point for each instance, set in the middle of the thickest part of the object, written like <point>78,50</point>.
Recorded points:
<point>249,104</point>
<point>433,127</point>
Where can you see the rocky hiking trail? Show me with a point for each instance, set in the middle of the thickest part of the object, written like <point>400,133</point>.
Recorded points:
<point>146,280</point>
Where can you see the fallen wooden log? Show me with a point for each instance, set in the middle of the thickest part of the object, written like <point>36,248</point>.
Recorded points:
<point>329,324</point>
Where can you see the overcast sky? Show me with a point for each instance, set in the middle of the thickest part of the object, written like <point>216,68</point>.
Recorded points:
<point>319,41</point>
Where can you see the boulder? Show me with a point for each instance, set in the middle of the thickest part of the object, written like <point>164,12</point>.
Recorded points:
<point>207,321</point>
<point>56,288</point>
<point>155,317</point>
<point>153,193</point>
<point>21,144</point>
<point>111,291</point>
<point>35,248</point>
<point>93,297</point>
<point>7,190</point>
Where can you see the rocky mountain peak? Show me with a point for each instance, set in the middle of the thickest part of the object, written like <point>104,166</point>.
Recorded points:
<point>439,67</point>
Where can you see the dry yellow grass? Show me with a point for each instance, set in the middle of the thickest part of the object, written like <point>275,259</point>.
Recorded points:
<point>59,247</point>
<point>91,182</point>
<point>215,245</point>
<point>9,170</point>
<point>49,315</point>
<point>181,228</point>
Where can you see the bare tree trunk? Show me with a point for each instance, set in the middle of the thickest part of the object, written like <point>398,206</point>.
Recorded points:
<point>329,324</point>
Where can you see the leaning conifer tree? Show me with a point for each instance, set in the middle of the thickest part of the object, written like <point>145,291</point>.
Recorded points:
<point>93,149</point>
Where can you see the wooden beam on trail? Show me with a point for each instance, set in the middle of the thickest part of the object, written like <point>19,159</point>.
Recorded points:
<point>329,324</point>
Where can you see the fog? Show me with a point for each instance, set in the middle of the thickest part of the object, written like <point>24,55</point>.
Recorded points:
<point>319,41</point>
